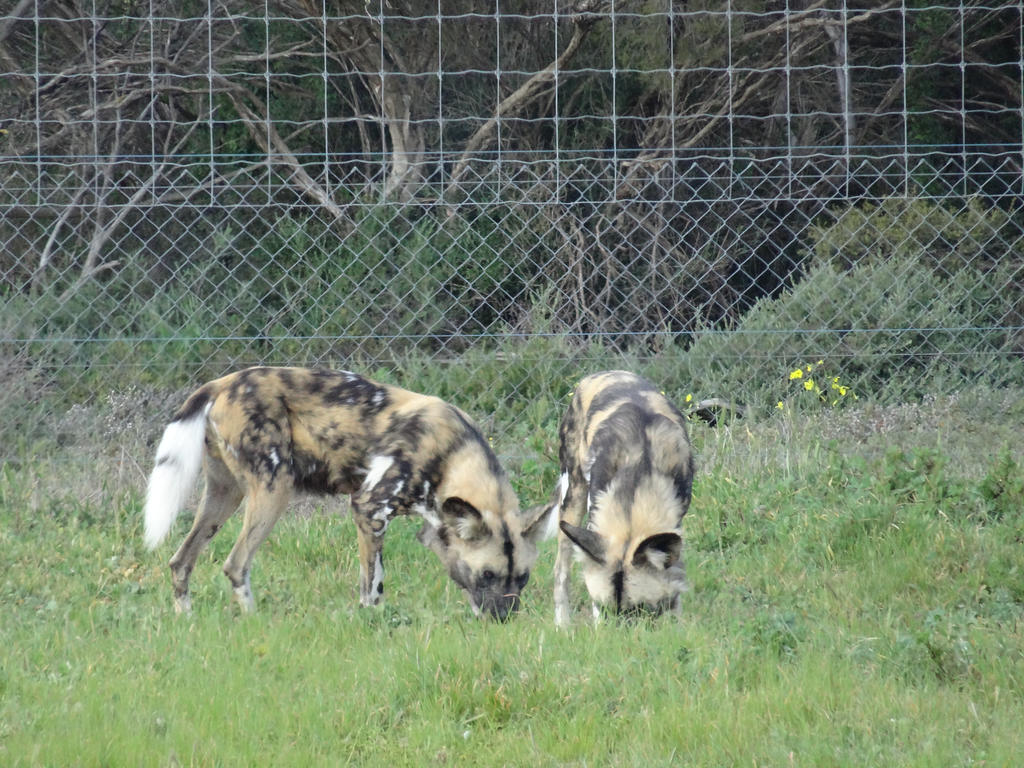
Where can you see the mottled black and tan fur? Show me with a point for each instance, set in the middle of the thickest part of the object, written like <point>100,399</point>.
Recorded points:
<point>264,433</point>
<point>626,464</point>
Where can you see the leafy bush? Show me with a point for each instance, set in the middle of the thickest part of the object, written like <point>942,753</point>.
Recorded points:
<point>244,290</point>
<point>900,299</point>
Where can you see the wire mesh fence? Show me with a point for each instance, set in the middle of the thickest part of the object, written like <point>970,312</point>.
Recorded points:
<point>718,191</point>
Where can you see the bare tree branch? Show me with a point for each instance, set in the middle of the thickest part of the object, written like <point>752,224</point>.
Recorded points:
<point>16,13</point>
<point>806,18</point>
<point>104,231</point>
<point>520,97</point>
<point>6,25</point>
<point>263,131</point>
<point>47,255</point>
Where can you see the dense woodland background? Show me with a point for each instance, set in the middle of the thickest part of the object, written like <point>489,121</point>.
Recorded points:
<point>186,187</point>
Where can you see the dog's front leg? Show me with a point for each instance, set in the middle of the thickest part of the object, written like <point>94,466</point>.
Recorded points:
<point>370,531</point>
<point>563,564</point>
<point>571,509</point>
<point>373,506</point>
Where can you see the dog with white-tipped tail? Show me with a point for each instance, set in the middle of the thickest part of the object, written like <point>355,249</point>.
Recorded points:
<point>263,434</point>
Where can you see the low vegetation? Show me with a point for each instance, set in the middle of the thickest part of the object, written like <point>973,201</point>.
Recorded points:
<point>857,599</point>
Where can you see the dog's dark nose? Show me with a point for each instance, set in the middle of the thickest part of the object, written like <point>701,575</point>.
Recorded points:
<point>503,608</point>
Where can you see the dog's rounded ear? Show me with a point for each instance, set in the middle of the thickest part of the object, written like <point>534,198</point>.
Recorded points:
<point>589,542</point>
<point>464,519</point>
<point>660,551</point>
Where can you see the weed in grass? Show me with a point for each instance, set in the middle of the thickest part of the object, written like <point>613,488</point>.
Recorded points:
<point>937,647</point>
<point>1002,488</point>
<point>917,476</point>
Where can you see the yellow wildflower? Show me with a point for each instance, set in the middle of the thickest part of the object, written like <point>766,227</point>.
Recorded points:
<point>797,374</point>
<point>809,385</point>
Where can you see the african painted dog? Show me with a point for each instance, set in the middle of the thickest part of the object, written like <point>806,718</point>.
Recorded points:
<point>264,433</point>
<point>626,462</point>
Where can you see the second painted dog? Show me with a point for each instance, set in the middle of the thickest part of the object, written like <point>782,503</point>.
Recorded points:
<point>626,464</point>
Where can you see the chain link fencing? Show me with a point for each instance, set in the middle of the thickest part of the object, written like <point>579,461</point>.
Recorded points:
<point>488,204</point>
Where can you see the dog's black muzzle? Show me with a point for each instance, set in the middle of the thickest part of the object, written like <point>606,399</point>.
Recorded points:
<point>500,608</point>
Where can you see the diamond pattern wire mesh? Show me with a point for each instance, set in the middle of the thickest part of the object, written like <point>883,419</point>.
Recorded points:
<point>188,189</point>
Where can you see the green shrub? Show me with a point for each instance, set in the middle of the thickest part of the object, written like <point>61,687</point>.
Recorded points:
<point>1002,489</point>
<point>897,300</point>
<point>900,299</point>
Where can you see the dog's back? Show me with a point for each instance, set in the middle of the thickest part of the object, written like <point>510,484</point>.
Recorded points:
<point>319,427</point>
<point>627,462</point>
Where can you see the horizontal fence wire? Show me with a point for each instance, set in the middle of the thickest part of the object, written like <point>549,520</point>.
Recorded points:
<point>716,193</point>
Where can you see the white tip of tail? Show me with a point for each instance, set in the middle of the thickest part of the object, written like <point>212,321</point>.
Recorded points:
<point>551,524</point>
<point>555,511</point>
<point>178,458</point>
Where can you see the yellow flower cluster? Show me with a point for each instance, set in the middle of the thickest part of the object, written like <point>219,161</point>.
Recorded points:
<point>831,393</point>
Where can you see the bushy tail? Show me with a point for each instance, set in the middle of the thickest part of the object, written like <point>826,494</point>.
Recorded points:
<point>178,458</point>
<point>555,507</point>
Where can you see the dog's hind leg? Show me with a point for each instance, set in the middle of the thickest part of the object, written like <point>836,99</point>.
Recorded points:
<point>263,507</point>
<point>221,498</point>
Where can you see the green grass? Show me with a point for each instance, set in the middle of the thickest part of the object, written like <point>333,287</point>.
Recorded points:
<point>857,600</point>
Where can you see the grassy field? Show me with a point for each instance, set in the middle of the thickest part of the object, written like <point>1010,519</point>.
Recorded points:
<point>857,600</point>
